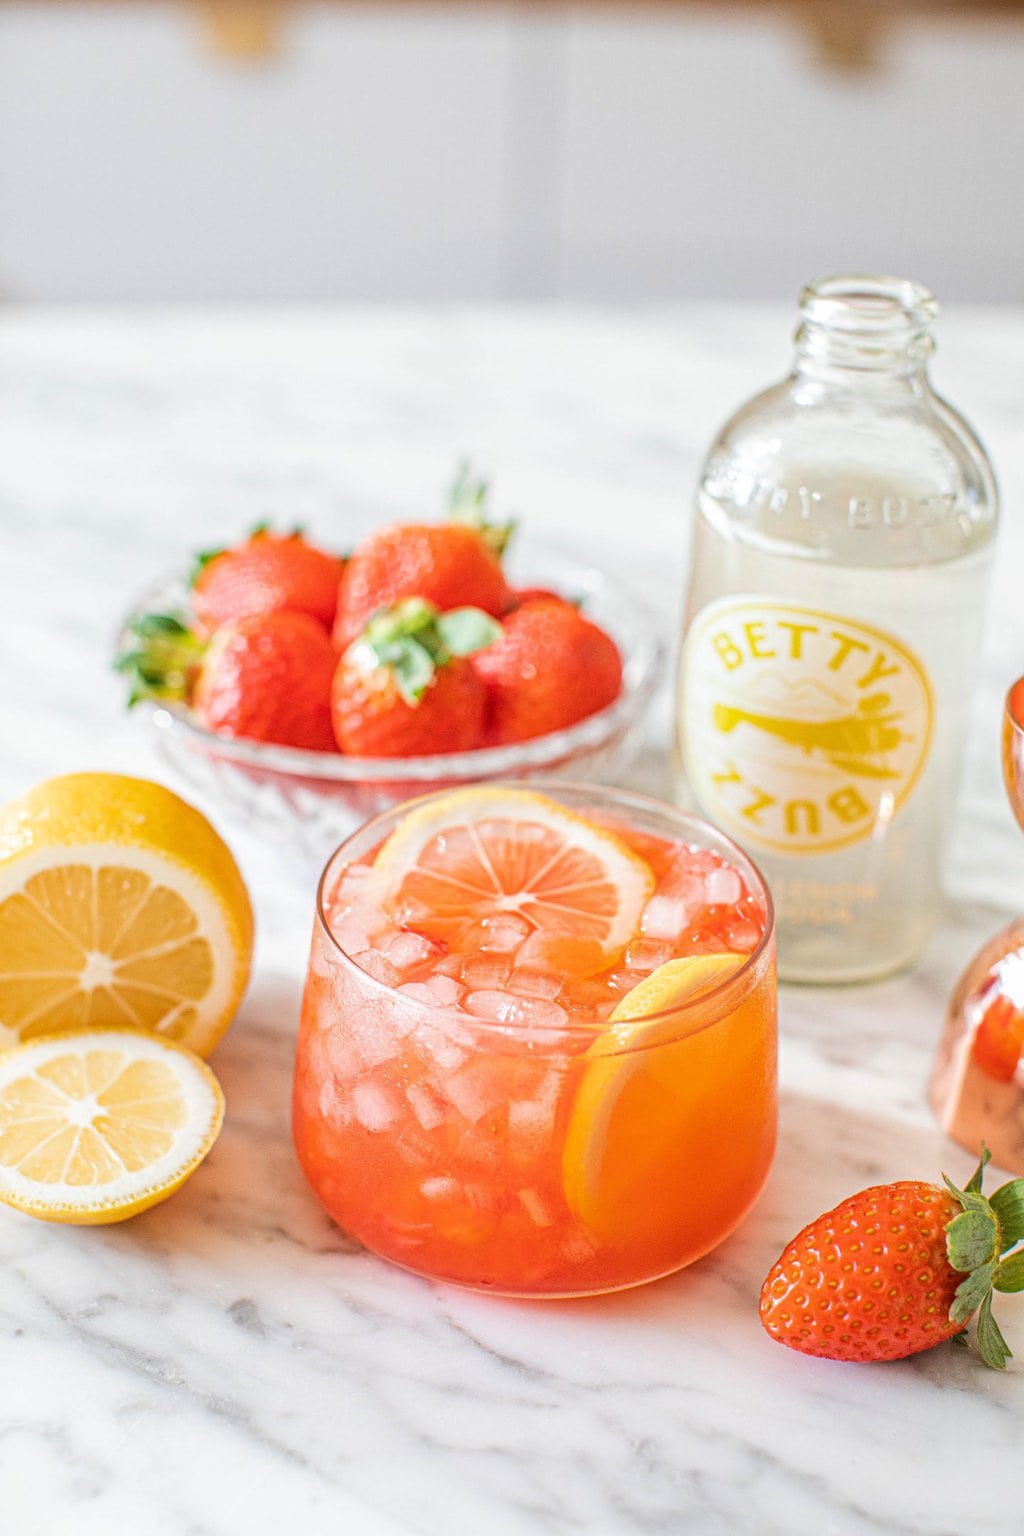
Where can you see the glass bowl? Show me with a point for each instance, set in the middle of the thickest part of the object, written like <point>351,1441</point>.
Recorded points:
<point>310,800</point>
<point>478,1149</point>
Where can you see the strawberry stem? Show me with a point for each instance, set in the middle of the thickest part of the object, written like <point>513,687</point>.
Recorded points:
<point>200,561</point>
<point>468,502</point>
<point>161,657</point>
<point>976,1239</point>
<point>414,640</point>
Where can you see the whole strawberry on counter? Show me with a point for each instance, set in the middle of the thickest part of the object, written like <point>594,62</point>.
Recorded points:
<point>897,1269</point>
<point>405,687</point>
<point>267,572</point>
<point>549,668</point>
<point>266,676</point>
<point>454,564</point>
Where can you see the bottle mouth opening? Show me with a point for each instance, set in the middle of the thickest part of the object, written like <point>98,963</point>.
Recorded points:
<point>863,305</point>
<point>865,320</point>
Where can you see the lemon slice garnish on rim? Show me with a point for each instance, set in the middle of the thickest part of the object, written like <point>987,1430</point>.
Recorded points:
<point>97,1125</point>
<point>119,905</point>
<point>629,1116</point>
<point>672,984</point>
<point>455,861</point>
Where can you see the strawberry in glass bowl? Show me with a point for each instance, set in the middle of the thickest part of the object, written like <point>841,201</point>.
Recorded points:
<point>307,691</point>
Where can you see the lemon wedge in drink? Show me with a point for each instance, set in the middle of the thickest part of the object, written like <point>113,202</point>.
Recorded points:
<point>119,905</point>
<point>630,1121</point>
<point>97,1125</point>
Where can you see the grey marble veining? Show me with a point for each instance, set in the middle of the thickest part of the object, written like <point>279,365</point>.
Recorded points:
<point>230,1362</point>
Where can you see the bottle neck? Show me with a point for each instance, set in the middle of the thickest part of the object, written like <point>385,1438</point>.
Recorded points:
<point>865,332</point>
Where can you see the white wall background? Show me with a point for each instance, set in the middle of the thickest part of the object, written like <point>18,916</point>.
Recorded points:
<point>499,152</point>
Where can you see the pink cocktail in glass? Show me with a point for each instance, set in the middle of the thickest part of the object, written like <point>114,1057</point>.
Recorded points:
<point>537,1048</point>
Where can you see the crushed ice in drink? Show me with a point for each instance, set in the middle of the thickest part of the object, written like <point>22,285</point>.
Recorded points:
<point>466,1068</point>
<point>375,1105</point>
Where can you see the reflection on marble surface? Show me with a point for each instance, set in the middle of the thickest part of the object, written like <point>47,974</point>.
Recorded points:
<point>229,1362</point>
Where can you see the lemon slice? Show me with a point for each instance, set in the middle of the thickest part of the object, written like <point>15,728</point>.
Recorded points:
<point>455,861</point>
<point>670,985</point>
<point>119,904</point>
<point>99,1124</point>
<point>624,1148</point>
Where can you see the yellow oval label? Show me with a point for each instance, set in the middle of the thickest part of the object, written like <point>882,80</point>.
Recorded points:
<point>800,731</point>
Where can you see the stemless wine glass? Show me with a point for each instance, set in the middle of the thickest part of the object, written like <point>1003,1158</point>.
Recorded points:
<point>514,1149</point>
<point>977,1089</point>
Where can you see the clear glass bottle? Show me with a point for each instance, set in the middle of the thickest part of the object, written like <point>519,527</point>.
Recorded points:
<point>842,543</point>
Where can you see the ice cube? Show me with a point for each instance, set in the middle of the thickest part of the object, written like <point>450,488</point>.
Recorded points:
<point>507,1008</point>
<point>742,933</point>
<point>378,966</point>
<point>417,992</point>
<point>427,1106</point>
<point>375,1105</point>
<point>537,1208</point>
<point>351,884</point>
<point>475,1090</point>
<point>591,1013</point>
<point>666,917</point>
<point>560,954</point>
<point>333,1053</point>
<point>441,1188</point>
<point>445,1052</point>
<point>448,965</point>
<point>684,878</point>
<point>591,994</point>
<point>445,990</point>
<point>722,887</point>
<point>504,932</point>
<point>374,1036</point>
<point>531,1124</point>
<point>483,971</point>
<point>414,1146</point>
<point>530,983</point>
<point>647,954</point>
<point>710,944</point>
<point>333,1102</point>
<point>356,927</point>
<point>578,1248</point>
<point>407,950</point>
<point>537,1013</point>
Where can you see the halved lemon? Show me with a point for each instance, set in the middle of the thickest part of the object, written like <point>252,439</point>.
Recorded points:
<point>633,1114</point>
<point>453,862</point>
<point>119,904</point>
<point>99,1124</point>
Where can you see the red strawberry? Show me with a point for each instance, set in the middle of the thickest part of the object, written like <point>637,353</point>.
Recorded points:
<point>267,573</point>
<point>520,595</point>
<point>549,668</point>
<point>448,564</point>
<point>266,677</point>
<point>456,564</point>
<point>896,1269</point>
<point>269,676</point>
<point>404,688</point>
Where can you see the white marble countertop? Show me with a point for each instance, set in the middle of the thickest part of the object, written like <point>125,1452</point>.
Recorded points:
<point>229,1363</point>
